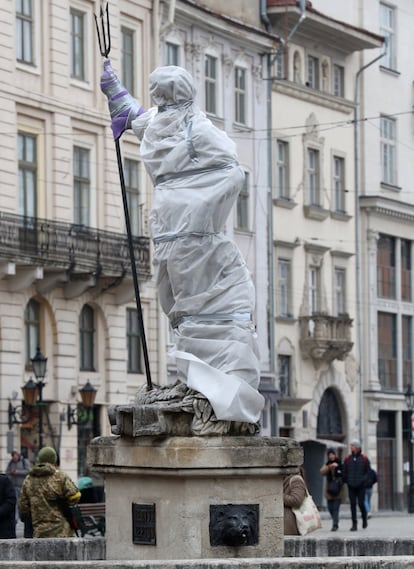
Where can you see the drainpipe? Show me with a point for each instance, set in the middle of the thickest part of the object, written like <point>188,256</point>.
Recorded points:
<point>270,60</point>
<point>357,242</point>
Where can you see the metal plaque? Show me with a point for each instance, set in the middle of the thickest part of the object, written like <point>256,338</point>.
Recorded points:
<point>143,524</point>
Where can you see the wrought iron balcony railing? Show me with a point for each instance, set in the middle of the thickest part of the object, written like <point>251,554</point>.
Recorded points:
<point>59,245</point>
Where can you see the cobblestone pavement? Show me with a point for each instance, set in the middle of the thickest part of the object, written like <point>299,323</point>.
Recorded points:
<point>380,524</point>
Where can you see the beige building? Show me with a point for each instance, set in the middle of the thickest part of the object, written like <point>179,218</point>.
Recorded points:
<point>314,230</point>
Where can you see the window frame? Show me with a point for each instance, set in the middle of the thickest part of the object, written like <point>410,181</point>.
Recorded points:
<point>172,53</point>
<point>388,147</point>
<point>387,29</point>
<point>284,374</point>
<point>338,183</point>
<point>32,324</point>
<point>386,267</point>
<point>133,194</point>
<point>128,59</point>
<point>81,187</point>
<point>27,169</point>
<point>314,289</point>
<point>339,291</point>
<point>338,80</point>
<point>26,24</point>
<point>284,287</point>
<point>243,205</point>
<point>78,61</point>
<point>282,170</point>
<point>211,85</point>
<point>87,338</point>
<point>240,95</point>
<point>313,73</point>
<point>387,350</point>
<point>134,342</point>
<point>313,176</point>
<point>406,269</point>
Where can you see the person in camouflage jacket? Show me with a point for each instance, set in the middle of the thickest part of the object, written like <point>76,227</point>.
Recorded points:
<point>39,497</point>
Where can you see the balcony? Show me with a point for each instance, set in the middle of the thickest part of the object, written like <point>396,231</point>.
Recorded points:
<point>325,338</point>
<point>57,252</point>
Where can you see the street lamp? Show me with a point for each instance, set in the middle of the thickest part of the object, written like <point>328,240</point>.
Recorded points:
<point>409,398</point>
<point>32,396</point>
<point>80,415</point>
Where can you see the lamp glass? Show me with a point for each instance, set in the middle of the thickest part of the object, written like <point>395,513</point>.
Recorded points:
<point>29,392</point>
<point>39,362</point>
<point>88,394</point>
<point>409,397</point>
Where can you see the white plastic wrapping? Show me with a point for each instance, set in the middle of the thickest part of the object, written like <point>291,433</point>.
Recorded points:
<point>203,282</point>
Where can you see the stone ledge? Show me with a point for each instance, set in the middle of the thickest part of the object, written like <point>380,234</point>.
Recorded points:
<point>399,562</point>
<point>342,547</point>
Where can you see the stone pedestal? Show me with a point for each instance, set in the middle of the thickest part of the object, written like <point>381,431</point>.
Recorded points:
<point>161,493</point>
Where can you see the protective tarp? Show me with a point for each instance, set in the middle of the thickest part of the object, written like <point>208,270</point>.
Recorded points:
<point>203,283</point>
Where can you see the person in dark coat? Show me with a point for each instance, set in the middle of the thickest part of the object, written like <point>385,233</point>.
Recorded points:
<point>356,472</point>
<point>7,508</point>
<point>333,471</point>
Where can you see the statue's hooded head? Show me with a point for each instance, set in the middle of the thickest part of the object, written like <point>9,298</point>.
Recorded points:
<point>171,85</point>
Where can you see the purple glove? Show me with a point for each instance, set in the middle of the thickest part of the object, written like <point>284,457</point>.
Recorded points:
<point>122,106</point>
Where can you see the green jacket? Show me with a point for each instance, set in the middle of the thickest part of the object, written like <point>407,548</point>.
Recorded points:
<point>41,487</point>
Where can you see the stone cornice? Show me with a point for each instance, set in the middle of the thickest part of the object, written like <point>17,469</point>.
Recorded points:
<point>386,207</point>
<point>314,96</point>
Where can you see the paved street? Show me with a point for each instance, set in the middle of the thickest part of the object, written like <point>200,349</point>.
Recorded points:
<point>382,524</point>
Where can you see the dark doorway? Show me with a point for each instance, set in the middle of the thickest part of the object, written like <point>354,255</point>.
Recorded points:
<point>386,461</point>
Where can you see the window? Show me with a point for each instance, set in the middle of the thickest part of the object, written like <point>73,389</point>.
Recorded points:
<point>283,287</point>
<point>338,183</point>
<point>27,174</point>
<point>313,72</point>
<point>87,338</point>
<point>387,29</point>
<point>314,287</point>
<point>313,179</point>
<point>240,94</point>
<point>387,350</point>
<point>131,170</point>
<point>133,342</point>
<point>405,269</point>
<point>32,328</point>
<point>81,185</point>
<point>284,372</point>
<point>282,170</point>
<point>128,59</point>
<point>338,80</point>
<point>243,200</point>
<point>77,45</point>
<point>407,342</point>
<point>172,54</point>
<point>386,267</point>
<point>210,73</point>
<point>339,291</point>
<point>280,63</point>
<point>388,151</point>
<point>24,31</point>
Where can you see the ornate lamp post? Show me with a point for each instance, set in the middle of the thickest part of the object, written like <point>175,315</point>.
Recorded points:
<point>81,415</point>
<point>32,396</point>
<point>409,398</point>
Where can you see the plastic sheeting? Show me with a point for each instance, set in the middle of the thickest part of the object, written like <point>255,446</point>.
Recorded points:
<point>203,283</point>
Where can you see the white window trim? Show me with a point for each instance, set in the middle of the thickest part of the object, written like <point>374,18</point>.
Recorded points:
<point>135,26</point>
<point>89,27</point>
<point>38,17</point>
<point>248,91</point>
<point>90,145</point>
<point>219,83</point>
<point>342,155</point>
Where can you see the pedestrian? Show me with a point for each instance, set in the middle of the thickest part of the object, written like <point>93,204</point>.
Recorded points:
<point>356,468</point>
<point>7,508</point>
<point>371,480</point>
<point>17,470</point>
<point>45,496</point>
<point>294,492</point>
<point>334,485</point>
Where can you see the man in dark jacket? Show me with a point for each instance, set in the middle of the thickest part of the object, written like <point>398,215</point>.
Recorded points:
<point>356,471</point>
<point>7,508</point>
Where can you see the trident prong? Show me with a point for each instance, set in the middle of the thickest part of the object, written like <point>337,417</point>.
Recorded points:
<point>104,32</point>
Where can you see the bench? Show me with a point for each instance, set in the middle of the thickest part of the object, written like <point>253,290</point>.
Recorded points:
<point>89,518</point>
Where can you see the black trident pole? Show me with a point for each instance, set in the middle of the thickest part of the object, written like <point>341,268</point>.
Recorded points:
<point>104,40</point>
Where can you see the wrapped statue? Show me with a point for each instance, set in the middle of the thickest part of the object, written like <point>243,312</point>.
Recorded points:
<point>204,285</point>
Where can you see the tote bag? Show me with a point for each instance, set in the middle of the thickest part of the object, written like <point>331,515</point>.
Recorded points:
<point>307,516</point>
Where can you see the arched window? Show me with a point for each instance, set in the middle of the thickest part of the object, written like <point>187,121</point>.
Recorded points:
<point>86,338</point>
<point>32,329</point>
<point>329,417</point>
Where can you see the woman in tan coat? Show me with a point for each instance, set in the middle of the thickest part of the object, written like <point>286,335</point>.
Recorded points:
<point>294,492</point>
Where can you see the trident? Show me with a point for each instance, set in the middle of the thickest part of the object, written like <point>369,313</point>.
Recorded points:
<point>104,40</point>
